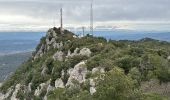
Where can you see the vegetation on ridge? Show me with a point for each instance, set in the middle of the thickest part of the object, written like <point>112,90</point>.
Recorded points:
<point>126,63</point>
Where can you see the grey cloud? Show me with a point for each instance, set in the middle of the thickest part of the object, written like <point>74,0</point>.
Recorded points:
<point>78,10</point>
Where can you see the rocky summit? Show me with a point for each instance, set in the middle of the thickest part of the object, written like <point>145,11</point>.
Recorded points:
<point>68,67</point>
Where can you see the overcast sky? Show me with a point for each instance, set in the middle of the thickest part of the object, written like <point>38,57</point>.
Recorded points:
<point>124,14</point>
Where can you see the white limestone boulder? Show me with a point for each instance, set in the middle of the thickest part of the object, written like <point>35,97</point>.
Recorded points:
<point>98,69</point>
<point>5,96</point>
<point>14,95</point>
<point>78,73</point>
<point>92,90</point>
<point>85,52</point>
<point>58,56</point>
<point>59,83</point>
<point>40,88</point>
<point>92,86</point>
<point>168,57</point>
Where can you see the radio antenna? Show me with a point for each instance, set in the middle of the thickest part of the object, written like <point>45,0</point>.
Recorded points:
<point>91,18</point>
<point>61,20</point>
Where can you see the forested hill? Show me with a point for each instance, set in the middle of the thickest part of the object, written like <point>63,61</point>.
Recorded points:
<point>9,63</point>
<point>67,67</point>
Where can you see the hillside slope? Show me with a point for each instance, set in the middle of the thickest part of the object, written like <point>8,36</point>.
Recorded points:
<point>66,67</point>
<point>9,63</point>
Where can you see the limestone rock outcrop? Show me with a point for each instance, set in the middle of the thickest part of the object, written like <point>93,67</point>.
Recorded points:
<point>55,46</point>
<point>168,57</point>
<point>85,52</point>
<point>98,69</point>
<point>40,52</point>
<point>77,51</point>
<point>44,70</point>
<point>14,95</point>
<point>59,83</point>
<point>58,45</point>
<point>78,73</point>
<point>58,56</point>
<point>92,87</point>
<point>41,87</point>
<point>5,96</point>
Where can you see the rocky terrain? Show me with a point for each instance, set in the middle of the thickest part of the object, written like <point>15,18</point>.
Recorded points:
<point>67,67</point>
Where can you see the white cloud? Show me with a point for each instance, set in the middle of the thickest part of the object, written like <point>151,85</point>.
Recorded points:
<point>123,13</point>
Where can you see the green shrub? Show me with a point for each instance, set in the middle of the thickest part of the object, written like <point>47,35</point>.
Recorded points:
<point>21,94</point>
<point>116,86</point>
<point>135,74</point>
<point>38,79</point>
<point>164,75</point>
<point>49,64</point>
<point>55,94</point>
<point>153,96</point>
<point>93,62</point>
<point>136,52</point>
<point>65,78</point>
<point>127,62</point>
<point>83,95</point>
<point>42,41</point>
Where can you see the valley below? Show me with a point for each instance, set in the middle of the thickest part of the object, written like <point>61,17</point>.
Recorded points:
<point>10,62</point>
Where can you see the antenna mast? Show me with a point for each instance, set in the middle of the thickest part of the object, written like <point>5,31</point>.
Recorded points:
<point>83,30</point>
<point>61,20</point>
<point>54,21</point>
<point>91,18</point>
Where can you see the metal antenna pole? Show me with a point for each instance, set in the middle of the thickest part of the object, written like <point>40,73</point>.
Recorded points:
<point>83,30</point>
<point>61,20</point>
<point>91,18</point>
<point>54,21</point>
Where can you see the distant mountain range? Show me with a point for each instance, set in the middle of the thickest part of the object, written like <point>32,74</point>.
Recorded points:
<point>131,35</point>
<point>15,42</point>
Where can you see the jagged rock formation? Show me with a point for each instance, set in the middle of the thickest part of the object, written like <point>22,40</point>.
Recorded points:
<point>85,52</point>
<point>6,95</point>
<point>58,56</point>
<point>14,95</point>
<point>66,66</point>
<point>41,87</point>
<point>53,39</point>
<point>82,52</point>
<point>78,73</point>
<point>48,41</point>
